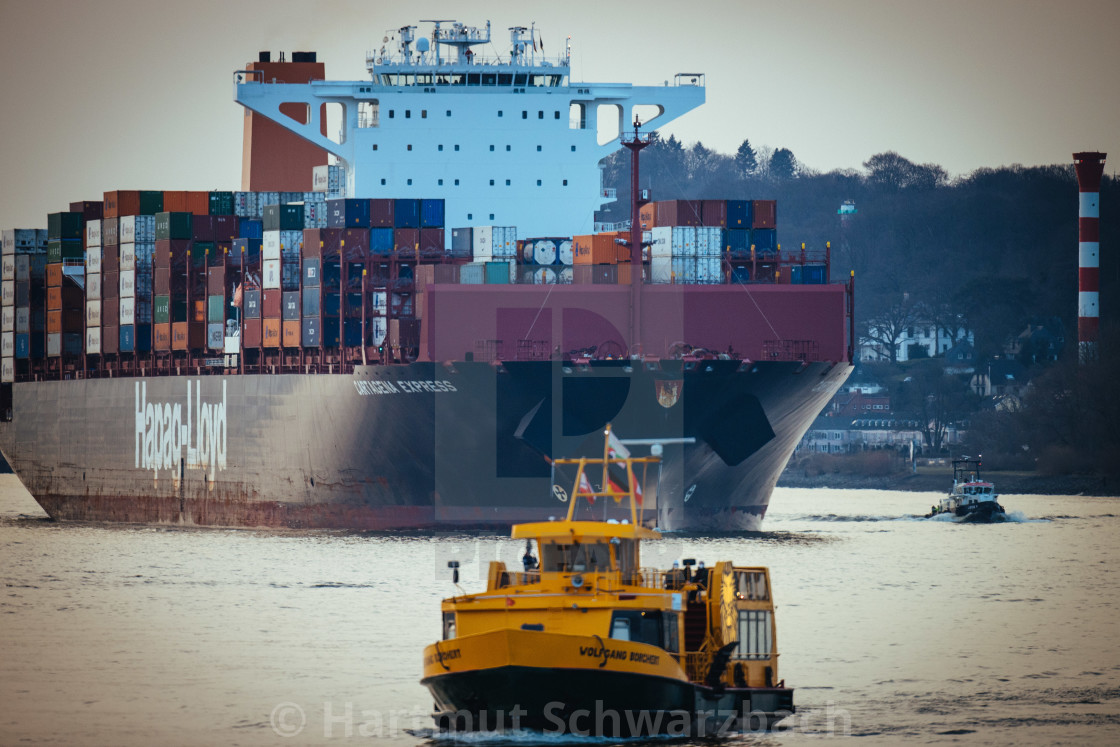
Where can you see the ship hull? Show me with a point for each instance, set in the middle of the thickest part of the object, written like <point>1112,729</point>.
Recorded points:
<point>421,446</point>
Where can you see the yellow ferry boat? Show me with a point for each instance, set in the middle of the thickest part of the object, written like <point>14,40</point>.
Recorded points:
<point>590,642</point>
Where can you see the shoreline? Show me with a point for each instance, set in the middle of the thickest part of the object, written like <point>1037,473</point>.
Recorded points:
<point>1008,483</point>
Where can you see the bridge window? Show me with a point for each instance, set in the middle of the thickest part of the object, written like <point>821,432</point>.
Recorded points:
<point>440,182</point>
<point>423,114</point>
<point>507,149</point>
<point>538,182</point>
<point>491,148</point>
<point>565,182</point>
<point>640,626</point>
<point>382,182</point>
<point>524,114</point>
<point>519,79</point>
<point>540,115</point>
<point>449,112</point>
<point>507,182</point>
<point>392,114</point>
<point>408,114</point>
<point>538,149</point>
<point>556,115</point>
<point>456,147</point>
<point>755,641</point>
<point>499,112</point>
<point>440,147</point>
<point>505,79</point>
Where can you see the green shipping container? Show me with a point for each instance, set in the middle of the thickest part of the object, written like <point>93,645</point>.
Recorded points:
<point>173,226</point>
<point>64,226</point>
<point>221,203</point>
<point>497,273</point>
<point>216,309</point>
<point>60,249</point>
<point>202,252</point>
<point>161,310</point>
<point>151,201</point>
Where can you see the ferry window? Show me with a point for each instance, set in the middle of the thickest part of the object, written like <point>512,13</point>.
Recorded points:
<point>540,115</point>
<point>456,147</point>
<point>491,182</point>
<point>491,148</point>
<point>410,182</point>
<point>382,182</point>
<point>449,112</point>
<point>519,79</point>
<point>507,182</point>
<point>620,629</point>
<point>375,146</point>
<point>507,149</point>
<point>556,115</point>
<point>458,79</point>
<point>754,634</point>
<point>499,112</point>
<point>505,79</point>
<point>672,636</point>
<point>408,114</point>
<point>456,182</point>
<point>641,626</point>
<point>751,585</point>
<point>538,182</point>
<point>565,182</point>
<point>472,79</point>
<point>410,146</point>
<point>441,182</point>
<point>488,79</point>
<point>538,149</point>
<point>441,146</point>
<point>573,149</point>
<point>491,216</point>
<point>423,114</point>
<point>470,216</point>
<point>448,625</point>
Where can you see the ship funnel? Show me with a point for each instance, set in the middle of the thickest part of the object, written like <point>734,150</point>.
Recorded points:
<point>1090,167</point>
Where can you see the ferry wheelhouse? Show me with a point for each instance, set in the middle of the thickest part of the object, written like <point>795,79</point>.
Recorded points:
<point>971,498</point>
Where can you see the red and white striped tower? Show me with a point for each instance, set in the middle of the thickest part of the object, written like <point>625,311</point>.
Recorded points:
<point>1089,167</point>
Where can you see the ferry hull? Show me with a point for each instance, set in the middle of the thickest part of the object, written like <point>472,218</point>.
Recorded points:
<point>404,447</point>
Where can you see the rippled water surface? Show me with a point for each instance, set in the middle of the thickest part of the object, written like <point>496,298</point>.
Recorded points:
<point>891,628</point>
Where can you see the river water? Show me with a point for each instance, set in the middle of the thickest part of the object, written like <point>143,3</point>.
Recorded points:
<point>893,629</point>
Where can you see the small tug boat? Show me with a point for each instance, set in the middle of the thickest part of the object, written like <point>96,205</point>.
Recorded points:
<point>590,642</point>
<point>971,499</point>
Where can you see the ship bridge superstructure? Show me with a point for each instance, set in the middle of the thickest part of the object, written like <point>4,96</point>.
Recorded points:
<point>503,139</point>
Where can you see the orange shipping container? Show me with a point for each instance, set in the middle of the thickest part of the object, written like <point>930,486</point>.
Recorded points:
<point>176,202</point>
<point>199,311</point>
<point>291,333</point>
<point>647,215</point>
<point>54,322</point>
<point>54,299</point>
<point>54,275</point>
<point>198,203</point>
<point>595,249</point>
<point>271,329</point>
<point>161,336</point>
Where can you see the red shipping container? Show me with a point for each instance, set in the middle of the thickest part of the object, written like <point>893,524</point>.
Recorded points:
<point>122,202</point>
<point>202,227</point>
<point>765,213</point>
<point>110,310</point>
<point>270,333</point>
<point>110,259</point>
<point>354,244</point>
<point>713,213</point>
<point>89,210</point>
<point>321,242</point>
<point>161,281</point>
<point>291,333</point>
<point>678,213</point>
<point>226,228</point>
<point>110,339</point>
<point>271,305</point>
<point>186,335</point>
<point>171,253</point>
<point>110,285</point>
<point>381,213</point>
<point>176,202</point>
<point>406,239</point>
<point>110,233</point>
<point>161,336</point>
<point>431,240</point>
<point>252,333</point>
<point>216,281</point>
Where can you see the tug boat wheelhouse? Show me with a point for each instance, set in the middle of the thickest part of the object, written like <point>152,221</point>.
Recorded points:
<point>592,643</point>
<point>972,498</point>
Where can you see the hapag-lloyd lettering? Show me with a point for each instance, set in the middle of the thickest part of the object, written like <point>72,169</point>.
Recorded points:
<point>162,436</point>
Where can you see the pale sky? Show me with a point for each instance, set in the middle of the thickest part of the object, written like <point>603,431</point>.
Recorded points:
<point>138,94</point>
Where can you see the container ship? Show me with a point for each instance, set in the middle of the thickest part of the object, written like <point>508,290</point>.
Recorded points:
<point>404,325</point>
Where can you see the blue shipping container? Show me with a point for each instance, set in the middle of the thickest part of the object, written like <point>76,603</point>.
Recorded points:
<point>814,274</point>
<point>23,345</point>
<point>128,338</point>
<point>795,275</point>
<point>250,228</point>
<point>765,241</point>
<point>737,240</point>
<point>381,241</point>
<point>251,247</point>
<point>431,213</point>
<point>406,213</point>
<point>739,214</point>
<point>347,213</point>
<point>740,275</point>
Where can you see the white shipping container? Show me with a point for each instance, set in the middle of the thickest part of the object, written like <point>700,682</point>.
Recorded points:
<point>270,274</point>
<point>377,329</point>
<point>23,267</point>
<point>7,344</point>
<point>93,313</point>
<point>8,371</point>
<point>93,340</point>
<point>54,344</point>
<point>709,270</point>
<point>93,286</point>
<point>482,243</point>
<point>21,239</point>
<point>270,246</point>
<point>9,267</point>
<point>128,283</point>
<point>564,255</point>
<point>505,242</point>
<point>8,319</point>
<point>662,242</point>
<point>379,301</point>
<point>93,233</point>
<point>661,270</point>
<point>128,310</point>
<point>684,270</point>
<point>684,242</point>
<point>126,229</point>
<point>23,320</point>
<point>245,204</point>
<point>473,274</point>
<point>128,257</point>
<point>216,336</point>
<point>93,260</point>
<point>8,289</point>
<point>709,241</point>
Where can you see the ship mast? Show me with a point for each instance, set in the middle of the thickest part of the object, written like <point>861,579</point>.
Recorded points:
<point>634,142</point>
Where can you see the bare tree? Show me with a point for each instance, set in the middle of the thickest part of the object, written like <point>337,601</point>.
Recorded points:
<point>887,328</point>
